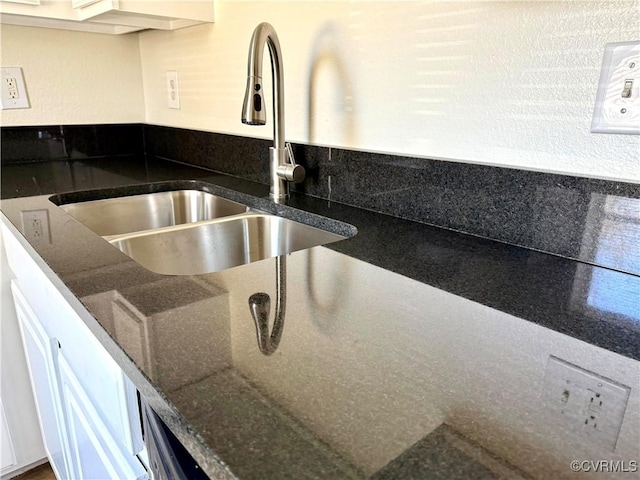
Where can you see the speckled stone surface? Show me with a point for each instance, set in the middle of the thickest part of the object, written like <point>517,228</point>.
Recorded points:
<point>225,153</point>
<point>39,178</point>
<point>591,220</point>
<point>443,454</point>
<point>528,284</point>
<point>594,221</point>
<point>406,348</point>
<point>70,142</point>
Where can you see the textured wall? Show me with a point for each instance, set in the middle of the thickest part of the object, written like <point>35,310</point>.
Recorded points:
<point>506,83</point>
<point>74,77</point>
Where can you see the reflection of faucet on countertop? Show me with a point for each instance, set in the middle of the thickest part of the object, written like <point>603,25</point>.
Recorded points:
<point>260,304</point>
<point>282,165</point>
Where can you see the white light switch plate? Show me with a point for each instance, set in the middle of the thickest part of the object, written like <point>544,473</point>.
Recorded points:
<point>12,88</point>
<point>615,112</point>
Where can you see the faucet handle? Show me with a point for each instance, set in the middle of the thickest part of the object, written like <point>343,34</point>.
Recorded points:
<point>292,171</point>
<point>289,149</point>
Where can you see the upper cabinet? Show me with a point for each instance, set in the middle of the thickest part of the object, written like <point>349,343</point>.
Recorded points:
<point>107,16</point>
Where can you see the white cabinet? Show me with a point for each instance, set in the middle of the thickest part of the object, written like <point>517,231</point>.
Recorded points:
<point>95,453</point>
<point>107,16</point>
<point>161,15</point>
<point>41,353</point>
<point>87,407</point>
<point>21,445</point>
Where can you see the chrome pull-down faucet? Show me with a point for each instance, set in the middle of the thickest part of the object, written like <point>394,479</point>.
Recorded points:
<point>282,165</point>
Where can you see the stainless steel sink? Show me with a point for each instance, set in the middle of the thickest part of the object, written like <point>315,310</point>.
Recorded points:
<point>119,215</point>
<point>220,244</point>
<point>190,232</point>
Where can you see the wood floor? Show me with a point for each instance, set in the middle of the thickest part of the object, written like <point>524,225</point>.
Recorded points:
<point>43,472</point>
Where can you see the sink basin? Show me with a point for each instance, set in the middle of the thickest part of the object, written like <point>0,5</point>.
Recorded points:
<point>220,244</point>
<point>191,232</point>
<point>120,215</point>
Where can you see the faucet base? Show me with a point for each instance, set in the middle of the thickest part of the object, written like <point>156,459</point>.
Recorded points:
<point>279,190</point>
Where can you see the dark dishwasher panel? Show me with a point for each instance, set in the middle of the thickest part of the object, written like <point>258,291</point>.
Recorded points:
<point>168,459</point>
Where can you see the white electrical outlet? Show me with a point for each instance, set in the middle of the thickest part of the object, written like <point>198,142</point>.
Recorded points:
<point>585,403</point>
<point>13,90</point>
<point>617,107</point>
<point>173,91</point>
<point>35,225</point>
<point>12,87</point>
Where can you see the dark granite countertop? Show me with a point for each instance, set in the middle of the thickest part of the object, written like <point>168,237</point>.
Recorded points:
<point>404,349</point>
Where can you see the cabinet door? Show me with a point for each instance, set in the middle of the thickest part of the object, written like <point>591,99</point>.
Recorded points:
<point>95,453</point>
<point>26,2</point>
<point>41,353</point>
<point>90,8</point>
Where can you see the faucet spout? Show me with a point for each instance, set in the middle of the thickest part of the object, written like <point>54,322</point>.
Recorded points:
<point>253,109</point>
<point>253,112</point>
<point>282,165</point>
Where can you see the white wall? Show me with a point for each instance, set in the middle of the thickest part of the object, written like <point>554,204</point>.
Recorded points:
<point>509,83</point>
<point>74,77</point>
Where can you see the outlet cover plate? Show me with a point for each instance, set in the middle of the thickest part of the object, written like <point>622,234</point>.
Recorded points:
<point>12,87</point>
<point>585,403</point>
<point>35,226</point>
<point>615,112</point>
<point>173,90</point>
